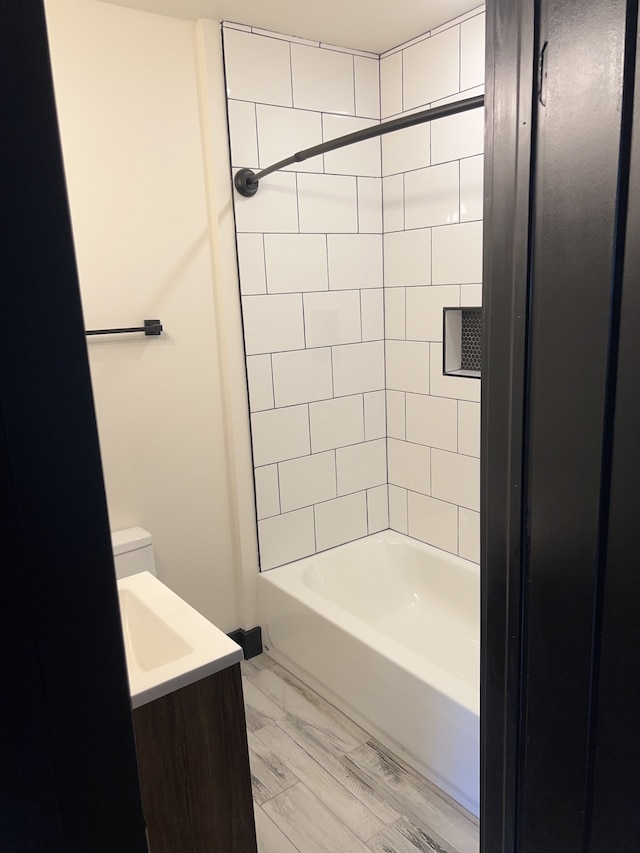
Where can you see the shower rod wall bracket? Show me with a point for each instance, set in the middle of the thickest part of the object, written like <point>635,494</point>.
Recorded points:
<point>246,180</point>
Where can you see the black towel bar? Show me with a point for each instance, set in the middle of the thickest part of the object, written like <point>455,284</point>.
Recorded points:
<point>151,327</point>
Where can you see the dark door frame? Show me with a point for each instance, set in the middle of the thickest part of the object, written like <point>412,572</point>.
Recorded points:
<point>509,141</point>
<point>560,94</point>
<point>68,769</point>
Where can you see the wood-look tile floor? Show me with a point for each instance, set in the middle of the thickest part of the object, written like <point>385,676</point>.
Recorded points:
<point>321,783</point>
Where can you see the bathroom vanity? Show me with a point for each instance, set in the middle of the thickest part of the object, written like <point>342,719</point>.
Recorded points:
<point>188,720</point>
<point>194,768</point>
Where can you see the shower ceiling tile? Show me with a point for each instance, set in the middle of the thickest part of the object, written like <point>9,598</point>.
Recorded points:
<point>327,203</point>
<point>358,368</point>
<point>295,262</point>
<point>336,423</point>
<point>367,73</point>
<point>322,80</point>
<point>307,480</point>
<point>457,253</point>
<point>434,522</point>
<point>340,521</point>
<point>280,434</point>
<point>332,318</point>
<point>273,323</point>
<point>361,466</point>
<point>363,158</point>
<point>285,538</point>
<point>281,131</point>
<point>355,261</point>
<point>472,38</point>
<point>431,69</point>
<point>302,376</point>
<point>257,68</point>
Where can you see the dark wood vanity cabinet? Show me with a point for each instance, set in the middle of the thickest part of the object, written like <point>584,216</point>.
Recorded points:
<point>193,761</point>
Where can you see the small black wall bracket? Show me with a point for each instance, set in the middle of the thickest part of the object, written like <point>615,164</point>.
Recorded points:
<point>245,182</point>
<point>152,327</point>
<point>250,641</point>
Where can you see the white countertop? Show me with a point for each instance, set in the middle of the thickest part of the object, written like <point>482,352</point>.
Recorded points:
<point>168,644</point>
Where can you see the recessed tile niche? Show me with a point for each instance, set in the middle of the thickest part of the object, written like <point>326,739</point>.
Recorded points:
<point>462,341</point>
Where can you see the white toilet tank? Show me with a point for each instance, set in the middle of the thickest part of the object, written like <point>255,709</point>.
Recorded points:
<point>132,551</point>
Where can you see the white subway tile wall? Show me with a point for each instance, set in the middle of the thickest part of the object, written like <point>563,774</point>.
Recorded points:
<point>432,213</point>
<point>346,261</point>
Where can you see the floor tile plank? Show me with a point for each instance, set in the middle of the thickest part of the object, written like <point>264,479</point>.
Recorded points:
<point>269,774</point>
<point>325,787</point>
<point>262,661</point>
<point>270,838</point>
<point>289,694</point>
<point>409,794</point>
<point>321,783</point>
<point>309,740</point>
<point>405,837</point>
<point>311,826</point>
<point>260,711</point>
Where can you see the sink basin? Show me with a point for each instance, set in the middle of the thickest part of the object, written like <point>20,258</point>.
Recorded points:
<point>168,644</point>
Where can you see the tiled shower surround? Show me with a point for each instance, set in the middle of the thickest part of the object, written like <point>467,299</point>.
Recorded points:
<point>346,261</point>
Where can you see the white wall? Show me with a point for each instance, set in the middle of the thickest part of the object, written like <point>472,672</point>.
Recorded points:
<point>128,104</point>
<point>432,202</point>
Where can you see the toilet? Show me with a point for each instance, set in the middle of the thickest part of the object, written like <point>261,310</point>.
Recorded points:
<point>132,552</point>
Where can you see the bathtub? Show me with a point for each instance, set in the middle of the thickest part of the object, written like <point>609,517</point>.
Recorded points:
<point>388,630</point>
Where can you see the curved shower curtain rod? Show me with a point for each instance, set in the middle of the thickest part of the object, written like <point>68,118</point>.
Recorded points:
<point>246,180</point>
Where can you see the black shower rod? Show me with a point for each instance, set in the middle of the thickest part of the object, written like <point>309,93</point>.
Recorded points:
<point>246,180</point>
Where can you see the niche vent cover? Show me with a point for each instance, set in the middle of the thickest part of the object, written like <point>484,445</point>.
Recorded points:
<point>462,342</point>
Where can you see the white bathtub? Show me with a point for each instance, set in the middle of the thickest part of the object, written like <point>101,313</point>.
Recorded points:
<point>388,629</point>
